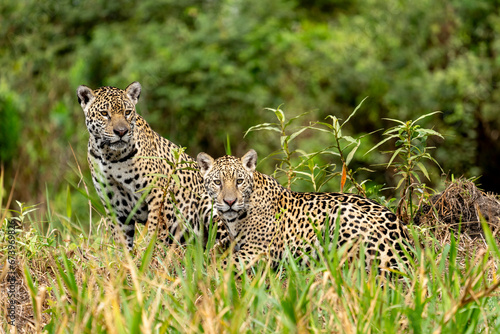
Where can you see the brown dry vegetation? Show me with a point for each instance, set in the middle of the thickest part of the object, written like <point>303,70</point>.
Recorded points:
<point>460,209</point>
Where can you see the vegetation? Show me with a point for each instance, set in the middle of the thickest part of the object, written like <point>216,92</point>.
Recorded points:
<point>70,280</point>
<point>77,284</point>
<point>211,70</point>
<point>407,159</point>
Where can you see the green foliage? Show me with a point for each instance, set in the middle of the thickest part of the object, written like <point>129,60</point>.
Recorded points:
<point>298,165</point>
<point>407,159</point>
<point>9,126</point>
<point>344,144</point>
<point>209,69</point>
<point>33,241</point>
<point>285,164</point>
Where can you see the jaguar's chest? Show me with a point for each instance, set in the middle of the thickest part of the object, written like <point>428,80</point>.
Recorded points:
<point>119,172</point>
<point>121,184</point>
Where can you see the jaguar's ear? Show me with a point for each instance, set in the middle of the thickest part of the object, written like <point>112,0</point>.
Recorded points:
<point>134,91</point>
<point>85,96</point>
<point>249,160</point>
<point>205,162</point>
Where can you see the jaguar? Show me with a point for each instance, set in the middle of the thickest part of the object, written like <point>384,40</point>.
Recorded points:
<point>140,176</point>
<point>263,218</point>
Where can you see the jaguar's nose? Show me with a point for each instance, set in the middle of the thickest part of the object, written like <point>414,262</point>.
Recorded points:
<point>120,131</point>
<point>230,202</point>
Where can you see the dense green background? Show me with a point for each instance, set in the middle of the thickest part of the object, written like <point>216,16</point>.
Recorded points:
<point>209,68</point>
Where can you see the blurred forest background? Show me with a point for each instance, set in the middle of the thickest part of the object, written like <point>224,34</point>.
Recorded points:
<point>209,68</point>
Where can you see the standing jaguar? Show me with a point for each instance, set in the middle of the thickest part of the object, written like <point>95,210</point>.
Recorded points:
<point>131,165</point>
<point>264,218</point>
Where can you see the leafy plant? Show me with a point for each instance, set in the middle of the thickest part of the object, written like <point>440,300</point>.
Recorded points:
<point>203,80</point>
<point>307,168</point>
<point>344,145</point>
<point>407,158</point>
<point>28,240</point>
<point>285,164</point>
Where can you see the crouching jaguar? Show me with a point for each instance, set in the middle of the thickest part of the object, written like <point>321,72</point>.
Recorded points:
<point>264,218</point>
<point>131,165</point>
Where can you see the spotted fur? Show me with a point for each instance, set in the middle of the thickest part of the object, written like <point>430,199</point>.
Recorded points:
<point>264,218</point>
<point>126,156</point>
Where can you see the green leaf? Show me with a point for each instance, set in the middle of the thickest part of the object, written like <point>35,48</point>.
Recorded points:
<point>264,126</point>
<point>335,123</point>
<point>310,164</point>
<point>490,239</point>
<point>354,112</point>
<point>295,134</point>
<point>423,169</point>
<point>400,182</point>
<point>228,145</point>
<point>392,130</point>
<point>33,291</point>
<point>134,319</point>
<point>176,179</point>
<point>393,157</point>
<point>394,120</point>
<point>351,154</point>
<point>278,113</point>
<point>68,202</point>
<point>380,143</point>
<point>148,254</point>
<point>350,139</point>
<point>424,116</point>
<point>430,132</point>
<point>29,281</point>
<point>68,276</point>
<point>416,176</point>
<point>283,140</point>
<point>328,125</point>
<point>296,117</point>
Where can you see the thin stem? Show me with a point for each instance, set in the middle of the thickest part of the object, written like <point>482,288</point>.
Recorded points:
<point>408,180</point>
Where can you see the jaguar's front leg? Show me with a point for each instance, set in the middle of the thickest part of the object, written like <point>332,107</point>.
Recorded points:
<point>123,232</point>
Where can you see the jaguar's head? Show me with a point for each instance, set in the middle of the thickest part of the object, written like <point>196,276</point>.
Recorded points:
<point>229,182</point>
<point>110,114</point>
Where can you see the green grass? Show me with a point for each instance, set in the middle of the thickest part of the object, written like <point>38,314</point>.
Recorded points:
<point>79,283</point>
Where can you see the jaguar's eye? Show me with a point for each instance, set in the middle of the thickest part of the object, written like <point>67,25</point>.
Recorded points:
<point>128,112</point>
<point>217,182</point>
<point>104,113</point>
<point>239,181</point>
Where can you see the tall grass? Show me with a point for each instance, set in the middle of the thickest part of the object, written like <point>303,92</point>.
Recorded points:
<point>73,285</point>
